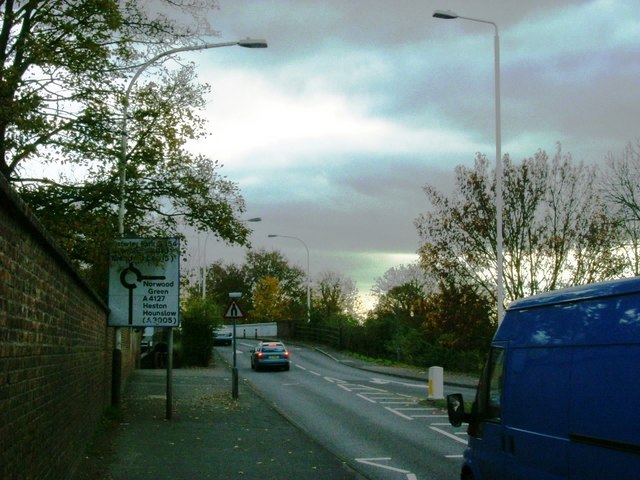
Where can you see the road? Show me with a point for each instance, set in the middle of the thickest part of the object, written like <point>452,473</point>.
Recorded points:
<point>373,422</point>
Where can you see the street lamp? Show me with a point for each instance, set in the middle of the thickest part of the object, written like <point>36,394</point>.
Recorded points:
<point>449,15</point>
<point>116,365</point>
<point>247,43</point>
<point>308,275</point>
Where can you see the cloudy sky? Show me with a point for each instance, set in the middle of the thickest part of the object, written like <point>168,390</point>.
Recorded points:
<point>332,131</point>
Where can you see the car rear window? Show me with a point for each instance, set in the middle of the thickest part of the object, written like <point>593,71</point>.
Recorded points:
<point>273,348</point>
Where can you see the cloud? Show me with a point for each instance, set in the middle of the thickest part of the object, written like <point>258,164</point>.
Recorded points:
<point>583,30</point>
<point>333,130</point>
<point>263,127</point>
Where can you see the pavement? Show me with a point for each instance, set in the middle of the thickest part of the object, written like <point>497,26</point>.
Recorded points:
<point>211,435</point>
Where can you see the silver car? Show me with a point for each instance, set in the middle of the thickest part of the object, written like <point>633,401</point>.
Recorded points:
<point>270,354</point>
<point>222,336</point>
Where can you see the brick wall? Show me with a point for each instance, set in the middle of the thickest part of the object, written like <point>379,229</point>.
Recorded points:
<point>55,351</point>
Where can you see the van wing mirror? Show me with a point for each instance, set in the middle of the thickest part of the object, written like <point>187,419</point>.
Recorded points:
<point>455,409</point>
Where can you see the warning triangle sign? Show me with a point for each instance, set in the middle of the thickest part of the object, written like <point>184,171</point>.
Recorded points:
<point>233,311</point>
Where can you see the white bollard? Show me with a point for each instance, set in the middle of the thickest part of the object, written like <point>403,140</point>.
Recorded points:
<point>436,383</point>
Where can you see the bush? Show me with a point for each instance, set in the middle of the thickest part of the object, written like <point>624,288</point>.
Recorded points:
<point>411,347</point>
<point>199,318</point>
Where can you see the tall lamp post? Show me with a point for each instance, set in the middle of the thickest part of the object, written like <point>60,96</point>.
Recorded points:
<point>308,275</point>
<point>247,43</point>
<point>449,15</point>
<point>116,365</point>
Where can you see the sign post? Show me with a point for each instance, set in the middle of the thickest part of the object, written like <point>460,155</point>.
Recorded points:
<point>234,312</point>
<point>144,289</point>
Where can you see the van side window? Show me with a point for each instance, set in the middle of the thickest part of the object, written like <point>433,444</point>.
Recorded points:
<point>495,383</point>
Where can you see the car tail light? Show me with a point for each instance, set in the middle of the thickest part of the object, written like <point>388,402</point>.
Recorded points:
<point>286,354</point>
<point>260,355</point>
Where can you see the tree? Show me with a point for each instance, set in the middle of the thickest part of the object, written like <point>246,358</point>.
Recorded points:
<point>260,264</point>
<point>579,242</point>
<point>406,303</point>
<point>269,303</point>
<point>459,317</point>
<point>199,318</point>
<point>336,299</point>
<point>271,288</point>
<point>401,275</point>
<point>621,187</point>
<point>63,67</point>
<point>55,61</point>
<point>223,279</point>
<point>64,72</point>
<point>400,309</point>
<point>556,228</point>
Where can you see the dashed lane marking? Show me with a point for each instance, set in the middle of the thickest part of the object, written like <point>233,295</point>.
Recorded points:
<point>375,462</point>
<point>408,412</point>
<point>447,434</point>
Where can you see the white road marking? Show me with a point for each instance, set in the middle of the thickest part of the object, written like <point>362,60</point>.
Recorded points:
<point>420,409</point>
<point>373,463</point>
<point>353,387</point>
<point>365,398</point>
<point>376,395</point>
<point>334,380</point>
<point>393,410</point>
<point>447,434</point>
<point>382,381</point>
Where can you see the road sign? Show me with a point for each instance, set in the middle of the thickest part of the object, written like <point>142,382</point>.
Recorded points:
<point>144,283</point>
<point>233,310</point>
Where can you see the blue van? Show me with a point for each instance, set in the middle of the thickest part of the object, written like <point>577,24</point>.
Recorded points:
<point>559,397</point>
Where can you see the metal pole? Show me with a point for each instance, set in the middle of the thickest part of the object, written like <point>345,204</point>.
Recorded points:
<point>308,285</point>
<point>169,406</point>
<point>234,370</point>
<point>499,175</point>
<point>116,368</point>
<point>449,15</point>
<point>499,181</point>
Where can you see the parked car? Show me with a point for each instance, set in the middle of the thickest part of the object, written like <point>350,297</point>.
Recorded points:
<point>270,354</point>
<point>222,336</point>
<point>558,396</point>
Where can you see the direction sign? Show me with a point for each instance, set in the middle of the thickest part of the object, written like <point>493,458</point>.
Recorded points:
<point>233,310</point>
<point>144,283</point>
